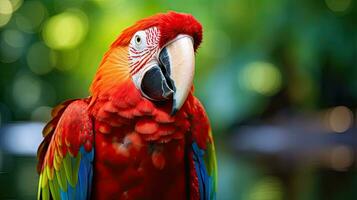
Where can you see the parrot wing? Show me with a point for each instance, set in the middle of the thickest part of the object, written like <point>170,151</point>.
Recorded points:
<point>66,153</point>
<point>203,157</point>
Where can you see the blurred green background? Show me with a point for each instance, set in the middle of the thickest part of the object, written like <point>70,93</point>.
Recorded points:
<point>277,77</point>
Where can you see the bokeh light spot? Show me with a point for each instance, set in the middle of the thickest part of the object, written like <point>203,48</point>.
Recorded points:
<point>26,91</point>
<point>5,7</point>
<point>268,188</point>
<point>13,38</point>
<point>261,77</point>
<point>65,30</point>
<point>5,12</point>
<point>339,119</point>
<point>30,16</point>
<point>9,52</point>
<point>341,157</point>
<point>40,58</point>
<point>338,5</point>
<point>42,114</point>
<point>16,4</point>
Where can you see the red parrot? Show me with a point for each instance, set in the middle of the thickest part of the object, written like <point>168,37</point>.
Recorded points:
<point>141,134</point>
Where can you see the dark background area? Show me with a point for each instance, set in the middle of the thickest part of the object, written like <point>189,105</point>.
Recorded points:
<point>277,77</point>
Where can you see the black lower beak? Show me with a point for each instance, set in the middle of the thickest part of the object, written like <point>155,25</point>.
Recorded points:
<point>155,85</point>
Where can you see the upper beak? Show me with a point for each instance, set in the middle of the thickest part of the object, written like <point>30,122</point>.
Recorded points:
<point>178,59</point>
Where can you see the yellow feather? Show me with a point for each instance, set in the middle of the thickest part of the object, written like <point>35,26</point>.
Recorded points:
<point>56,161</point>
<point>49,172</point>
<point>44,179</point>
<point>39,188</point>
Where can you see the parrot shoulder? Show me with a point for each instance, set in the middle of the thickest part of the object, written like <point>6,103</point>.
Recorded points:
<point>66,153</point>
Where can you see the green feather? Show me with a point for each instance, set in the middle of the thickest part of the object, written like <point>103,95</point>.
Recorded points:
<point>61,177</point>
<point>39,188</point>
<point>211,162</point>
<point>76,165</point>
<point>71,166</point>
<point>54,189</point>
<point>45,193</point>
<point>67,163</point>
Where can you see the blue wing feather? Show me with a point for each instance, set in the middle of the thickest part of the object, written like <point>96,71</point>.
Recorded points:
<point>205,181</point>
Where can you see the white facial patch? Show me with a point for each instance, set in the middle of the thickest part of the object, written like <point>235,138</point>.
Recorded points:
<point>143,52</point>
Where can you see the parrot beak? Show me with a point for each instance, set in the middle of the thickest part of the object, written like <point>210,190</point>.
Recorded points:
<point>178,59</point>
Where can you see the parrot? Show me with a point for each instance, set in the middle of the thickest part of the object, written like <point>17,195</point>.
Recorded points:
<point>141,134</point>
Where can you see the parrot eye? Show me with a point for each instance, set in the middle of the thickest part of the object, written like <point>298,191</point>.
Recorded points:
<point>137,39</point>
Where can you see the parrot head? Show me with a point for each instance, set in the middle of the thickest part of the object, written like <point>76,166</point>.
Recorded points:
<point>157,54</point>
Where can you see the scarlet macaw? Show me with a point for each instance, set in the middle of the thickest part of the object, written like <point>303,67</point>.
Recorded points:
<point>141,134</point>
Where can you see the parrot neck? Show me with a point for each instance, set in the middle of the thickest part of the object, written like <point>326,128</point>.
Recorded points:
<point>112,73</point>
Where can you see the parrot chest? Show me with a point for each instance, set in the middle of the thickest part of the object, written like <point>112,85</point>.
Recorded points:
<point>149,171</point>
<point>140,158</point>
